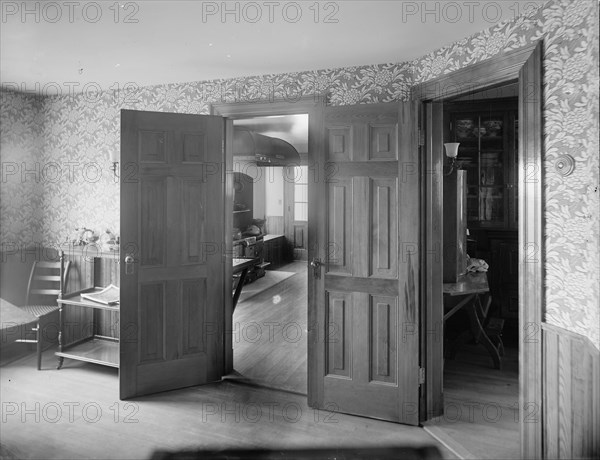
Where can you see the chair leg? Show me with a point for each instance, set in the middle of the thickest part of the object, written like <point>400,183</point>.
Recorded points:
<point>39,345</point>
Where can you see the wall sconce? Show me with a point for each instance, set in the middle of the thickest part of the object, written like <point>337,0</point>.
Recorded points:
<point>451,153</point>
<point>112,155</point>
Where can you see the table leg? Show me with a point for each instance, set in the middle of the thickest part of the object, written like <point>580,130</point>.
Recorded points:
<point>60,336</point>
<point>475,311</point>
<point>452,346</point>
<point>238,289</point>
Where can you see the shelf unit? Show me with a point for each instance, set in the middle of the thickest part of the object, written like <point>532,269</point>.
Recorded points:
<point>93,348</point>
<point>487,133</point>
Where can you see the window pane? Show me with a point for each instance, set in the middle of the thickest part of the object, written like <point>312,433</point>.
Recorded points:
<point>301,193</point>
<point>301,211</point>
<point>301,175</point>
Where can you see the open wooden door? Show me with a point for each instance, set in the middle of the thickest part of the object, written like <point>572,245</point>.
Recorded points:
<point>364,228</point>
<point>172,236</point>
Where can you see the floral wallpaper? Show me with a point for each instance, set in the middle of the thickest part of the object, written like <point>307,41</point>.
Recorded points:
<point>569,29</point>
<point>21,189</point>
<point>75,134</point>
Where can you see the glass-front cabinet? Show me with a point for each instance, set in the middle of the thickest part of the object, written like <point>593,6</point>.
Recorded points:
<point>487,133</point>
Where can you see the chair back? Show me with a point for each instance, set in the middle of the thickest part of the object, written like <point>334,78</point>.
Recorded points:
<point>45,284</point>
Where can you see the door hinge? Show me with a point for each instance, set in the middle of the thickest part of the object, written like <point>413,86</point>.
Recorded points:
<point>421,136</point>
<point>421,375</point>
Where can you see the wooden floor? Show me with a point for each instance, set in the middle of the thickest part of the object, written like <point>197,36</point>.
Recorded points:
<point>480,405</point>
<point>76,413</point>
<point>269,341</point>
<point>480,401</point>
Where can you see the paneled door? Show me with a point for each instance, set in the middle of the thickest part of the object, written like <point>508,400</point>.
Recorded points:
<point>364,264</point>
<point>172,236</point>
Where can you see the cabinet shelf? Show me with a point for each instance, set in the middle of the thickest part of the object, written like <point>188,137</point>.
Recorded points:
<point>97,350</point>
<point>242,210</point>
<point>76,299</point>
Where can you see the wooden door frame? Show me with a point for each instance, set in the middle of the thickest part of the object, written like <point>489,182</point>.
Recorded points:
<point>260,108</point>
<point>525,66</point>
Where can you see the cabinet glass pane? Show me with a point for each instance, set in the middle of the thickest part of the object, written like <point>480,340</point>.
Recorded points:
<point>472,204</point>
<point>492,128</point>
<point>466,130</point>
<point>492,168</point>
<point>491,204</point>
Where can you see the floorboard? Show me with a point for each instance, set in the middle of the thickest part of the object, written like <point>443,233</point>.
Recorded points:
<point>480,401</point>
<point>76,413</point>
<point>480,405</point>
<point>269,340</point>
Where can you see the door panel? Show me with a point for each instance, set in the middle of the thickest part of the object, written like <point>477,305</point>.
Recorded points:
<point>172,225</point>
<point>368,291</point>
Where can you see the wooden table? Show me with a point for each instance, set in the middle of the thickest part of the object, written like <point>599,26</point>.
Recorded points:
<point>472,286</point>
<point>242,265</point>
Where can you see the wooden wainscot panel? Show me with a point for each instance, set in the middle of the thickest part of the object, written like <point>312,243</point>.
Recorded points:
<point>571,394</point>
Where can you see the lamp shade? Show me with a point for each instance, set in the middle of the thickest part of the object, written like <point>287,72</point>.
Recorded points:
<point>451,149</point>
<point>112,155</point>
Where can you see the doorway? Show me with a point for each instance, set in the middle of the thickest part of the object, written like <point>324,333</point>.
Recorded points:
<point>270,221</point>
<point>525,67</point>
<point>360,152</point>
<point>480,384</point>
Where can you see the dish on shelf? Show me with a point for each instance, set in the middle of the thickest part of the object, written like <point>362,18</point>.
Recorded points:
<point>493,128</point>
<point>464,128</point>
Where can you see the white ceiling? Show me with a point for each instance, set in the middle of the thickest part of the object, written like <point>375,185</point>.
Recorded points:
<point>58,44</point>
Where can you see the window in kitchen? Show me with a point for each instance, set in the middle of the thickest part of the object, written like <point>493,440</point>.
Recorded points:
<point>301,193</point>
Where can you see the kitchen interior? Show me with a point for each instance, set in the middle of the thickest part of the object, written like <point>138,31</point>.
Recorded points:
<point>270,217</point>
<point>481,216</point>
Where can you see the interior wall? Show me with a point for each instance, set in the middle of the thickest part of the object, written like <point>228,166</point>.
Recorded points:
<point>21,185</point>
<point>275,206</point>
<point>82,129</point>
<point>274,190</point>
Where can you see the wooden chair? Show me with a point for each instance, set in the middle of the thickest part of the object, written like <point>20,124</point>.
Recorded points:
<point>44,287</point>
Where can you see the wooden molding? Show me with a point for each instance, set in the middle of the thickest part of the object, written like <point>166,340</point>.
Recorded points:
<point>266,107</point>
<point>491,72</point>
<point>525,66</point>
